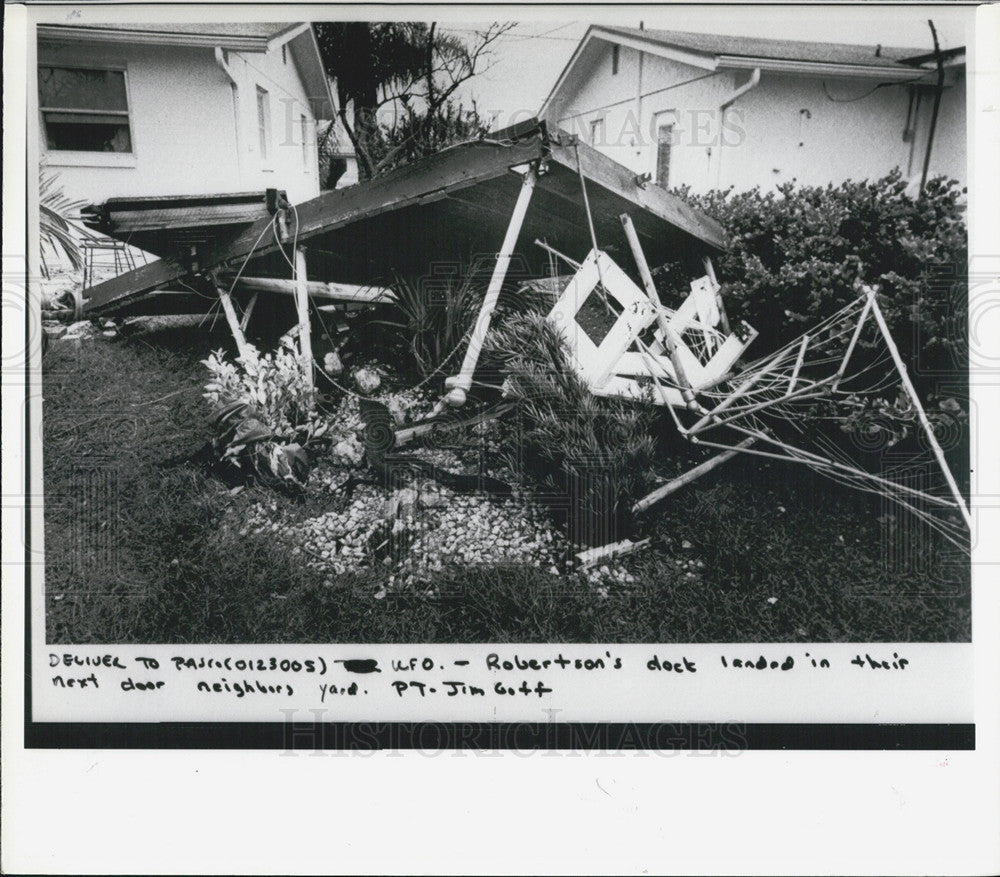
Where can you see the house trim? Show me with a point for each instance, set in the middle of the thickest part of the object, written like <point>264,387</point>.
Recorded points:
<point>818,68</point>
<point>79,33</point>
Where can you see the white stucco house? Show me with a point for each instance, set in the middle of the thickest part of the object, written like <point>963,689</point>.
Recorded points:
<point>713,111</point>
<point>128,110</point>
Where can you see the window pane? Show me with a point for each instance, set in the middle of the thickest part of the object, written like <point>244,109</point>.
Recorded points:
<point>87,133</point>
<point>263,120</point>
<point>665,139</point>
<point>80,89</point>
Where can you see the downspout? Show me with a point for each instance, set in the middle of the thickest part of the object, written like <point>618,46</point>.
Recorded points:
<point>220,59</point>
<point>641,146</point>
<point>934,111</point>
<point>750,84</point>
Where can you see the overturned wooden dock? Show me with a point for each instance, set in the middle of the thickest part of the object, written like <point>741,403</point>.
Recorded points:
<point>451,208</point>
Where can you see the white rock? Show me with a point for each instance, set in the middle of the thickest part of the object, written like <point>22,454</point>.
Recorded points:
<point>367,380</point>
<point>332,364</point>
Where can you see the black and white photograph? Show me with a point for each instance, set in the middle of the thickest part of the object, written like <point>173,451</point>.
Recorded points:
<point>516,366</point>
<point>338,351</point>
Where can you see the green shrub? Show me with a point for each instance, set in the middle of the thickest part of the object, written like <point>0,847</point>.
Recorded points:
<point>590,456</point>
<point>799,253</point>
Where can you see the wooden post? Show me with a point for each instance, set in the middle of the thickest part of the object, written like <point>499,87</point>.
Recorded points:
<point>233,320</point>
<point>460,384</point>
<point>911,390</point>
<point>248,312</point>
<point>853,342</point>
<point>693,474</point>
<point>302,305</point>
<point>798,365</point>
<point>669,339</point>
<point>723,316</point>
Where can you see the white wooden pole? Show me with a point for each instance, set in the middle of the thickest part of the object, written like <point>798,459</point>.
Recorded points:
<point>248,312</point>
<point>669,340</point>
<point>798,365</point>
<point>302,306</point>
<point>911,390</point>
<point>723,316</point>
<point>234,323</point>
<point>460,384</point>
<point>677,483</point>
<point>853,343</point>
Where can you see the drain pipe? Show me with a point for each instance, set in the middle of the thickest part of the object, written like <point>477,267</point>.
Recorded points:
<point>934,110</point>
<point>750,84</point>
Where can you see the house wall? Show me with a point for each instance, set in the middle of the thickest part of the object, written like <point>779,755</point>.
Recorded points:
<point>185,136</point>
<point>785,128</point>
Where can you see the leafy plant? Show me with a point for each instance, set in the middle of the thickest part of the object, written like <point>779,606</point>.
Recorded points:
<point>55,217</point>
<point>273,385</point>
<point>798,254</point>
<point>264,415</point>
<point>590,456</point>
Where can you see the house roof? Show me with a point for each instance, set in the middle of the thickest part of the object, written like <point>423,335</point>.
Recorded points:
<point>723,45</point>
<point>245,36</point>
<point>726,52</point>
<point>236,36</point>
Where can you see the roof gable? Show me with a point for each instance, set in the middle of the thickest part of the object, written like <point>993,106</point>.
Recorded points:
<point>720,51</point>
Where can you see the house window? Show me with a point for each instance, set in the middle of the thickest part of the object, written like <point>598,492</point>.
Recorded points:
<point>597,132</point>
<point>615,50</point>
<point>304,122</point>
<point>84,109</point>
<point>264,120</point>
<point>284,54</point>
<point>664,143</point>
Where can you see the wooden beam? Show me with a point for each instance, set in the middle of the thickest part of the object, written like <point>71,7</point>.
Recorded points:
<point>318,289</point>
<point>248,312</point>
<point>302,306</point>
<point>676,484</point>
<point>669,341</point>
<point>460,384</point>
<point>233,320</point>
<point>593,556</point>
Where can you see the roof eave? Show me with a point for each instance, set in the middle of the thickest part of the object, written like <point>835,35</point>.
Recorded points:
<point>821,68</point>
<point>305,50</point>
<point>77,33</point>
<point>704,60</point>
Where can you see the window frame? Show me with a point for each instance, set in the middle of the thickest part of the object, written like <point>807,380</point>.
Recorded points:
<point>306,143</point>
<point>598,124</point>
<point>87,157</point>
<point>664,119</point>
<point>265,145</point>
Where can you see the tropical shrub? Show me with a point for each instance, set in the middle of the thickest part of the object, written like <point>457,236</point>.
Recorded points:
<point>264,415</point>
<point>430,318</point>
<point>272,384</point>
<point>56,212</point>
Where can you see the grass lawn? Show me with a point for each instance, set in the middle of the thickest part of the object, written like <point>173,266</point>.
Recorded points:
<point>141,552</point>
